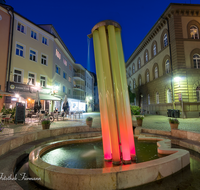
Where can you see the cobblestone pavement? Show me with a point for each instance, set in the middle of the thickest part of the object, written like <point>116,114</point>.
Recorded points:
<point>150,122</point>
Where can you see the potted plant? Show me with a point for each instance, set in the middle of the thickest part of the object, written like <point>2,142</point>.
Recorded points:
<point>139,120</point>
<point>46,123</point>
<point>89,121</point>
<point>174,122</point>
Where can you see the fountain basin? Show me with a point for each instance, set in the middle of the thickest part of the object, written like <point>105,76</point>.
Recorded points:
<point>119,177</point>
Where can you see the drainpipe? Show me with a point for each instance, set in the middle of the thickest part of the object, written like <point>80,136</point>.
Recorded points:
<point>170,55</point>
<point>10,12</point>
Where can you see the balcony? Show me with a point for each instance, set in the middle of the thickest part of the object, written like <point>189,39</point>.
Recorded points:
<point>79,76</point>
<point>79,97</point>
<point>79,87</point>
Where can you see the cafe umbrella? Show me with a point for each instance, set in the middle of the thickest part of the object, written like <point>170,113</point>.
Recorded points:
<point>37,104</point>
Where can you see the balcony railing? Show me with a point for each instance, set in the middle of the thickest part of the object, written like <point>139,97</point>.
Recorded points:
<point>79,87</point>
<point>79,75</point>
<point>79,97</point>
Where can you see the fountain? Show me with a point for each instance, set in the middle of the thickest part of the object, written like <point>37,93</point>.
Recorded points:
<point>117,133</point>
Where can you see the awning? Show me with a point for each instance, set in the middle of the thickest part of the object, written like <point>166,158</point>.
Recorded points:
<point>42,96</point>
<point>5,93</point>
<point>48,97</point>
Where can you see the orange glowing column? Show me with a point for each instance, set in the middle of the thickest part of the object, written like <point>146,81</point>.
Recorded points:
<point>119,95</point>
<point>102,97</point>
<point>125,92</point>
<point>107,77</point>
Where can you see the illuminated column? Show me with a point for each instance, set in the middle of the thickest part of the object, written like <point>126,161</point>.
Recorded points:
<point>118,94</point>
<point>102,98</point>
<point>125,92</point>
<point>113,93</point>
<point>107,77</point>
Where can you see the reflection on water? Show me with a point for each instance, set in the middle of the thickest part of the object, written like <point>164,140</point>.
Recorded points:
<point>90,155</point>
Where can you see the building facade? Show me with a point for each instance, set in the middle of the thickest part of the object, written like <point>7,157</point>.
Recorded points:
<point>163,71</point>
<point>6,20</point>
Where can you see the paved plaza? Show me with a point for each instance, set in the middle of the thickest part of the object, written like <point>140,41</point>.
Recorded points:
<point>150,122</point>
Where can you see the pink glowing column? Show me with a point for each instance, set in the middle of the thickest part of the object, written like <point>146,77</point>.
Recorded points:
<point>102,97</point>
<point>125,92</point>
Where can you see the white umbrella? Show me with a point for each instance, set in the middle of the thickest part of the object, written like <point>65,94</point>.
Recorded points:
<point>37,99</point>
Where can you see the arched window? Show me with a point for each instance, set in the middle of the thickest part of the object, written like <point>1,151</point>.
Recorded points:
<point>135,101</point>
<point>154,49</point>
<point>198,93</point>
<point>146,57</point>
<point>139,64</point>
<point>194,33</point>
<point>157,98</point>
<point>129,71</point>
<point>148,99</point>
<point>167,69</point>
<point>196,61</point>
<point>147,76</point>
<point>140,81</point>
<point>169,96</point>
<point>165,40</point>
<point>156,72</point>
<point>134,84</point>
<point>133,69</point>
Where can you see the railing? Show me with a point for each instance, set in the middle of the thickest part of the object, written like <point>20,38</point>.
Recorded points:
<point>79,97</point>
<point>79,75</point>
<point>79,87</point>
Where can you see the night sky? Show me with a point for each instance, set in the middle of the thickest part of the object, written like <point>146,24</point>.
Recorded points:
<point>74,20</point>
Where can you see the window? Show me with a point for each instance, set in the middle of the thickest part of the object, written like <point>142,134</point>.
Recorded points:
<point>198,93</point>
<point>169,96</point>
<point>154,49</point>
<point>58,54</point>
<point>33,35</point>
<point>57,69</point>
<point>42,81</point>
<point>147,76</point>
<point>139,64</point>
<point>167,66</point>
<point>157,98</point>
<point>133,68</point>
<point>156,72</point>
<point>69,79</point>
<point>165,40</point>
<point>194,33</point>
<point>69,91</point>
<point>147,57</point>
<point>140,81</point>
<point>64,75</point>
<point>17,76</point>
<point>70,67</point>
<point>44,40</point>
<point>134,84</point>
<point>19,50</point>
<point>65,62</point>
<point>31,79</point>
<point>44,59</point>
<point>64,89</point>
<point>33,55</point>
<point>20,27</point>
<point>129,71</point>
<point>148,99</point>
<point>134,101</point>
<point>196,61</point>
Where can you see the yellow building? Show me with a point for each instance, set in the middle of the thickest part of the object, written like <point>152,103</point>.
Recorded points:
<point>163,71</point>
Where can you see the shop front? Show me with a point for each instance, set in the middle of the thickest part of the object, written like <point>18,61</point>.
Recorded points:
<point>27,94</point>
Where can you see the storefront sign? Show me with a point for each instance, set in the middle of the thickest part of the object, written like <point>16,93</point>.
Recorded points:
<point>17,87</point>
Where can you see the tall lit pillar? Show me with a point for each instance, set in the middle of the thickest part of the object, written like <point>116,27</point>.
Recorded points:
<point>113,92</point>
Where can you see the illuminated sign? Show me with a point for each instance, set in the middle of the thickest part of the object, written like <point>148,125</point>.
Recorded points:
<point>65,62</point>
<point>58,55</point>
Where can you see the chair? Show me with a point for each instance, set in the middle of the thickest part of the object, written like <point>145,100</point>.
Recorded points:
<point>7,118</point>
